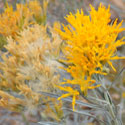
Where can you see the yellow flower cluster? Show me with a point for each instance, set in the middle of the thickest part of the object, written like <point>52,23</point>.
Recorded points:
<point>12,21</point>
<point>39,12</point>
<point>90,44</point>
<point>28,67</point>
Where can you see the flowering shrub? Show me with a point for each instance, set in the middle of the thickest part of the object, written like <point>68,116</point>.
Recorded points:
<point>90,44</point>
<point>32,59</point>
<point>12,21</point>
<point>40,61</point>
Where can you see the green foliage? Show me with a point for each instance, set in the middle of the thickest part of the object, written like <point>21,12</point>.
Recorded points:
<point>3,41</point>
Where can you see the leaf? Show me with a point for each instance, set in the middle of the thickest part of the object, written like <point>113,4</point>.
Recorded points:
<point>48,123</point>
<point>84,113</point>
<point>70,100</point>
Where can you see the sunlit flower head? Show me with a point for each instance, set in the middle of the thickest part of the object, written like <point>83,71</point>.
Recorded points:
<point>91,43</point>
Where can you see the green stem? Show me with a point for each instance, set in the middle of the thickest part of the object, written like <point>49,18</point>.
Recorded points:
<point>110,108</point>
<point>24,119</point>
<point>5,2</point>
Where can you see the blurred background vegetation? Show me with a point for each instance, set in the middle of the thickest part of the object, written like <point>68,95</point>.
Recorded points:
<point>57,10</point>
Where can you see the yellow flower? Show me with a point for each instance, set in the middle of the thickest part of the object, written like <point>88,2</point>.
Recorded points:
<point>71,92</point>
<point>90,44</point>
<point>10,102</point>
<point>12,21</point>
<point>38,11</point>
<point>123,94</point>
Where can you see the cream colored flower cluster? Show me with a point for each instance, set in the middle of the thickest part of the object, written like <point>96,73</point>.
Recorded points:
<point>30,65</point>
